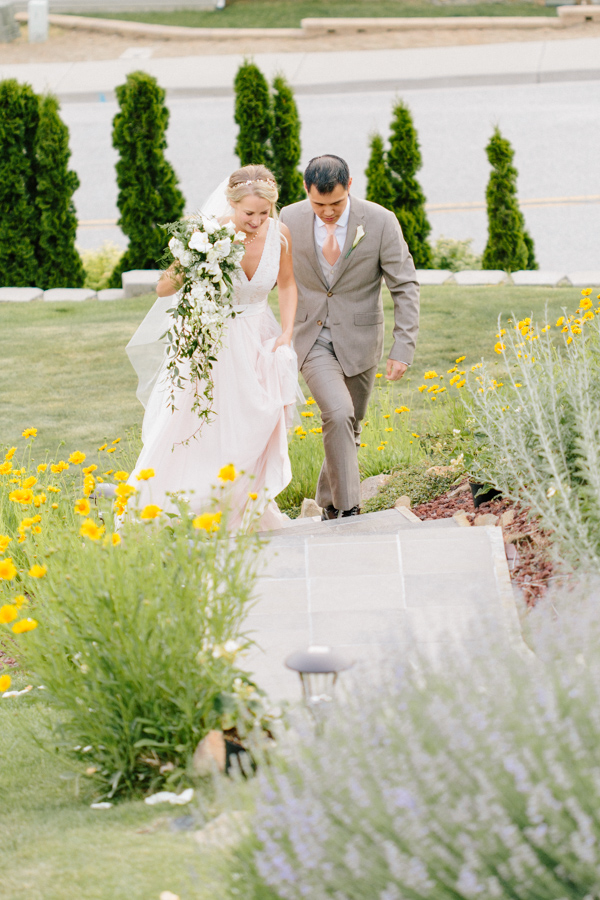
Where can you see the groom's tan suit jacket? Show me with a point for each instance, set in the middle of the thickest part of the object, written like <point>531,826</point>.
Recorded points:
<point>351,303</point>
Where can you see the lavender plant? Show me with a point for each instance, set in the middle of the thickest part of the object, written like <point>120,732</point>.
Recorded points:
<point>469,780</point>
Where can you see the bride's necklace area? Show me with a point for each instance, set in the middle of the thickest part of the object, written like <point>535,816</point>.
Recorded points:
<point>246,242</point>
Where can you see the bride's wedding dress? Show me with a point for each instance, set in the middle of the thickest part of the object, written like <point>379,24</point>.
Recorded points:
<point>255,391</point>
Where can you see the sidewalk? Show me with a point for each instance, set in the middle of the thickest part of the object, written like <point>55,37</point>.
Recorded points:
<point>528,62</point>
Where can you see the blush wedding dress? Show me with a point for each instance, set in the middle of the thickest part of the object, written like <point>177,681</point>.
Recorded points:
<point>255,394</point>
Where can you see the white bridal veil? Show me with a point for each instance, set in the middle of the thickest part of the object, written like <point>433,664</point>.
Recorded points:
<point>146,349</point>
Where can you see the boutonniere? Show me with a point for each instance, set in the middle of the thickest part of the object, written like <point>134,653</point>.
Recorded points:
<point>360,233</point>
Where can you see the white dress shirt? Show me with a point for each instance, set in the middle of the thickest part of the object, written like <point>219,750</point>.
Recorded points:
<point>341,229</point>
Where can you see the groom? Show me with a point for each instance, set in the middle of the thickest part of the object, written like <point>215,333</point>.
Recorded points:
<point>342,248</point>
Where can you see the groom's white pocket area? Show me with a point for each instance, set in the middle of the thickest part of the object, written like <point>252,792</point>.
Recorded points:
<point>370,318</point>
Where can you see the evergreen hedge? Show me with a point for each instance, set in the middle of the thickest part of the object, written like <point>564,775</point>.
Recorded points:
<point>509,246</point>
<point>254,116</point>
<point>285,143</point>
<point>379,187</point>
<point>59,263</point>
<point>149,195</point>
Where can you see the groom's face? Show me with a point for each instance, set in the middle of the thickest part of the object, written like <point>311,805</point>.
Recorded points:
<point>329,207</point>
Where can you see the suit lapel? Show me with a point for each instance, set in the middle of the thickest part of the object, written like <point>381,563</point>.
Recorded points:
<point>355,219</point>
<point>308,241</point>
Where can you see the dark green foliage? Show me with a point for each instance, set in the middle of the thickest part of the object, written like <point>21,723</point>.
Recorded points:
<point>404,160</point>
<point>254,115</point>
<point>18,227</point>
<point>509,246</point>
<point>379,187</point>
<point>59,263</point>
<point>285,143</point>
<point>149,195</point>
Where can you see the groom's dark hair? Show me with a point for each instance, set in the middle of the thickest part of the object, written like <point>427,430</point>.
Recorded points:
<point>326,172</point>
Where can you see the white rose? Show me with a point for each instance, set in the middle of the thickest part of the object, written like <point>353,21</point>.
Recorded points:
<point>210,225</point>
<point>186,258</point>
<point>212,255</point>
<point>222,247</point>
<point>176,247</point>
<point>199,241</point>
<point>240,236</point>
<point>230,228</point>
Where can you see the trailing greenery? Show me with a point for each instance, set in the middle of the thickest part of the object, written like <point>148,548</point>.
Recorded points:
<point>509,246</point>
<point>149,196</point>
<point>254,116</point>
<point>379,187</point>
<point>403,161</point>
<point>285,143</point>
<point>18,219</point>
<point>454,255</point>
<point>59,263</point>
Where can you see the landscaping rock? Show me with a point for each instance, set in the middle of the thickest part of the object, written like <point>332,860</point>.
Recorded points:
<point>435,276</point>
<point>140,281</point>
<point>370,487</point>
<point>309,508</point>
<point>507,518</point>
<point>210,754</point>
<point>9,28</point>
<point>408,514</point>
<point>62,295</point>
<point>588,278</point>
<point>20,294</point>
<point>224,831</point>
<point>461,518</point>
<point>537,277</point>
<point>111,294</point>
<point>481,276</point>
<point>461,489</point>
<point>440,470</point>
<point>486,519</point>
<point>402,501</point>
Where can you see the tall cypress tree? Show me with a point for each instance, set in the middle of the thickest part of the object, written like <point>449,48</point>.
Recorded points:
<point>149,195</point>
<point>509,245</point>
<point>18,221</point>
<point>254,116</point>
<point>285,143</point>
<point>59,263</point>
<point>379,185</point>
<point>404,160</point>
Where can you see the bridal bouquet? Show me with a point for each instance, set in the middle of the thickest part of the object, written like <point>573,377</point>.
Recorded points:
<point>205,256</point>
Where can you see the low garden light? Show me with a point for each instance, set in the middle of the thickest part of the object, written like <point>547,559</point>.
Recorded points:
<point>318,668</point>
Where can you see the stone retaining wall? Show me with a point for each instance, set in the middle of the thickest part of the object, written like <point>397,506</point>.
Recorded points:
<point>106,6</point>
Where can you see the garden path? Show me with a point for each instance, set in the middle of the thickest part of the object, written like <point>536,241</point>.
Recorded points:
<point>377,584</point>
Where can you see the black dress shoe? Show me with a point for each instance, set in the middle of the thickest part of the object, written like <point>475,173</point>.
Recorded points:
<point>329,512</point>
<point>355,511</point>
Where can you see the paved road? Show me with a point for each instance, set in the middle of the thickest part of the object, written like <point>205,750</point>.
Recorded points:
<point>554,128</point>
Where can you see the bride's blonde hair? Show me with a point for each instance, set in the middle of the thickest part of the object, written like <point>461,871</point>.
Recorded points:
<point>256,180</point>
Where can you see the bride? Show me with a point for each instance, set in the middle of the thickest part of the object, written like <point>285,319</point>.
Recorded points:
<point>255,374</point>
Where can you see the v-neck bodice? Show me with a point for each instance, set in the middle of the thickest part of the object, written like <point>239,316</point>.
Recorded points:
<point>255,289</point>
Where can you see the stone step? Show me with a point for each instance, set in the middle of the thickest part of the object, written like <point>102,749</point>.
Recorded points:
<point>387,521</point>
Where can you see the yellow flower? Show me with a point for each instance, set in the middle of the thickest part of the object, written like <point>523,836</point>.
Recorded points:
<point>310,401</point>
<point>318,430</point>
<point>586,303</point>
<point>422,388</point>
<point>89,483</point>
<point>90,530</point>
<point>42,467</point>
<point>450,371</point>
<point>39,500</point>
<point>103,447</point>
<point>307,415</point>
<point>120,506</point>
<point>518,384</point>
<point>29,482</point>
<point>299,430</point>
<point>144,474</point>
<point>431,374</point>
<point>60,466</point>
<point>7,570</point>
<point>111,449</point>
<point>433,389</point>
<point>53,490</point>
<point>227,473</point>
<point>77,457</point>
<point>402,409</point>
<point>150,512</point>
<point>30,432</point>
<point>379,375</point>
<point>560,321</point>
<point>89,469</point>
<point>461,383</point>
<point>414,434</point>
<point>4,542</point>
<point>588,315</point>
<point>5,468</point>
<point>586,292</point>
<point>10,453</point>
<point>125,490</point>
<point>108,472</point>
<point>8,613</point>
<point>37,571</point>
<point>24,625</point>
<point>4,683</point>
<point>116,440</point>
<point>207,521</point>
<point>252,496</point>
<point>121,476</point>
<point>363,445</point>
<point>19,601</point>
<point>499,347</point>
<point>576,329</point>
<point>460,359</point>
<point>569,339</point>
<point>55,506</point>
<point>116,539</point>
<point>82,507</point>
<point>454,379</point>
<point>387,416</point>
<point>389,429</point>
<point>24,496</point>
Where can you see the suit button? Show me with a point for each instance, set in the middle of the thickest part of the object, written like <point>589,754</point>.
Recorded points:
<point>319,322</point>
<point>330,293</point>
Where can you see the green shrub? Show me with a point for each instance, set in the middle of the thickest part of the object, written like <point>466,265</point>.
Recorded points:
<point>59,264</point>
<point>98,265</point>
<point>509,246</point>
<point>454,255</point>
<point>18,219</point>
<point>253,115</point>
<point>149,196</point>
<point>379,186</point>
<point>468,779</point>
<point>285,142</point>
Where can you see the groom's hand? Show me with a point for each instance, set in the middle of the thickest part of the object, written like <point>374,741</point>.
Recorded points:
<point>395,370</point>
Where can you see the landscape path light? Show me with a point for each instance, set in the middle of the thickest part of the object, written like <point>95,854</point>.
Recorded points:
<point>318,668</point>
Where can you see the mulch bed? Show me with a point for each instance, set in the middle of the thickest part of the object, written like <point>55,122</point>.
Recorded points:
<point>533,568</point>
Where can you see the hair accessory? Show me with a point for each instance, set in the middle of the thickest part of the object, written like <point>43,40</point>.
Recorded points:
<point>254,181</point>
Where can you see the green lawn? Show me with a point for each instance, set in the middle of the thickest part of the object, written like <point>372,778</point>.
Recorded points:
<point>289,13</point>
<point>54,847</point>
<point>65,372</point>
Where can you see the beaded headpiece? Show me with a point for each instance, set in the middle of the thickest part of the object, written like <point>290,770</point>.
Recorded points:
<point>254,181</point>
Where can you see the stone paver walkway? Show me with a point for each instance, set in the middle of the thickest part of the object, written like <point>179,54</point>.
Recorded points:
<point>376,584</point>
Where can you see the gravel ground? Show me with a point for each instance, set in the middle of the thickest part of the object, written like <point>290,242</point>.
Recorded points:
<point>66,45</point>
